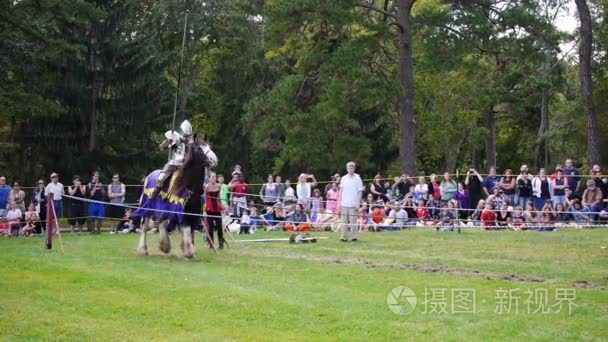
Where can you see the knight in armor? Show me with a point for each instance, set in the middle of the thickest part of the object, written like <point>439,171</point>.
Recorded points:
<point>179,145</point>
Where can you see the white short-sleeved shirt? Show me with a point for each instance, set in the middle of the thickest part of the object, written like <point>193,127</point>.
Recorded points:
<point>350,186</point>
<point>13,215</point>
<point>55,189</point>
<point>303,191</point>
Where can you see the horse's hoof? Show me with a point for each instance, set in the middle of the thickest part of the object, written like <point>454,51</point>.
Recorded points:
<point>142,252</point>
<point>165,248</point>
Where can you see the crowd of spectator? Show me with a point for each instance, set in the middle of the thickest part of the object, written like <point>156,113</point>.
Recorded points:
<point>524,201</point>
<point>26,215</point>
<point>507,201</point>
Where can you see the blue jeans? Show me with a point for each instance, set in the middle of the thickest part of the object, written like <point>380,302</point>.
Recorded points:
<point>558,199</point>
<point>58,208</point>
<point>523,201</point>
<point>593,210</point>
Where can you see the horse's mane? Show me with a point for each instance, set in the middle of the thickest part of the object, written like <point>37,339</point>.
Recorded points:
<point>192,172</point>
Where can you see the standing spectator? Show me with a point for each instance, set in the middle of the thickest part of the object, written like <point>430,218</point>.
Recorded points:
<point>96,192</point>
<point>542,188</point>
<point>290,194</point>
<point>491,181</point>
<point>421,190</point>
<point>315,207</point>
<point>116,193</point>
<point>17,197</point>
<point>351,190</point>
<point>377,189</point>
<point>508,186</point>
<point>524,187</point>
<point>223,191</point>
<point>270,192</point>
<point>39,200</point>
<point>239,194</point>
<point>473,183</point>
<point>304,189</point>
<point>573,175</point>
<point>332,198</point>
<point>402,186</point>
<point>434,188</point>
<point>334,179</point>
<point>213,209</point>
<point>559,184</point>
<point>13,218</point>
<point>281,187</point>
<point>4,194</point>
<point>76,213</point>
<point>462,197</point>
<point>447,187</point>
<point>55,189</point>
<point>592,199</point>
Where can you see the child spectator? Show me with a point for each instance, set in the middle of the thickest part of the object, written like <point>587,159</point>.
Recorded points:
<point>245,222</point>
<point>488,217</point>
<point>32,221</point>
<point>332,198</point>
<point>315,206</point>
<point>13,217</point>
<point>125,225</point>
<point>518,221</point>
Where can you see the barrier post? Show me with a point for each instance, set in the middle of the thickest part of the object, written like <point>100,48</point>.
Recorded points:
<point>50,222</point>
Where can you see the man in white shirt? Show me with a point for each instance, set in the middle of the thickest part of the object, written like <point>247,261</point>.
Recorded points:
<point>349,199</point>
<point>56,189</point>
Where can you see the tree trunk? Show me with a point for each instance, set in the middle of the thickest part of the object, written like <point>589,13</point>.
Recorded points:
<point>490,123</point>
<point>584,55</point>
<point>540,150</point>
<point>93,125</point>
<point>453,152</point>
<point>405,102</point>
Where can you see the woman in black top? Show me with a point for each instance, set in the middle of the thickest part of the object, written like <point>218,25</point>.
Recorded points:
<point>524,188</point>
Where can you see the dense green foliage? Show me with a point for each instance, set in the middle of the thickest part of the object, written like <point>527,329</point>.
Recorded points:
<point>290,86</point>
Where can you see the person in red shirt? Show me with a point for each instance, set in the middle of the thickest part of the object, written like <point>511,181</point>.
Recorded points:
<point>377,217</point>
<point>488,217</point>
<point>421,213</point>
<point>238,188</point>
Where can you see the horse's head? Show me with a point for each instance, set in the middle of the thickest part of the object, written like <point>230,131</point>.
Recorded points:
<point>201,143</point>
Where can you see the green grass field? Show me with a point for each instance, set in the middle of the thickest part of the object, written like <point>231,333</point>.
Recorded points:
<point>101,290</point>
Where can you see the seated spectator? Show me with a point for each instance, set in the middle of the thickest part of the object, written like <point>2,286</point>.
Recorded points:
<point>518,221</point>
<point>410,209</point>
<point>32,221</point>
<point>13,218</point>
<point>125,225</point>
<point>422,213</point>
<point>592,199</point>
<point>476,215</point>
<point>570,196</point>
<point>497,198</point>
<point>434,211</point>
<point>547,218</point>
<point>578,214</point>
<point>402,218</point>
<point>503,216</point>
<point>274,217</point>
<point>531,214</point>
<point>377,217</point>
<point>390,218</point>
<point>326,220</point>
<point>446,219</point>
<point>488,217</point>
<point>255,219</point>
<point>298,221</point>
<point>364,218</point>
<point>245,222</point>
<point>562,217</point>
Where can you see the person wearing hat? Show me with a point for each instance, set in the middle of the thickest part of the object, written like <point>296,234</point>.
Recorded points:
<point>592,199</point>
<point>55,189</point>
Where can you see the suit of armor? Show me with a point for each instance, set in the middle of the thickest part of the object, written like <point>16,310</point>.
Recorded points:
<point>179,145</point>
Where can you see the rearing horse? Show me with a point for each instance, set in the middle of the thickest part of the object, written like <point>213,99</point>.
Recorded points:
<point>180,195</point>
